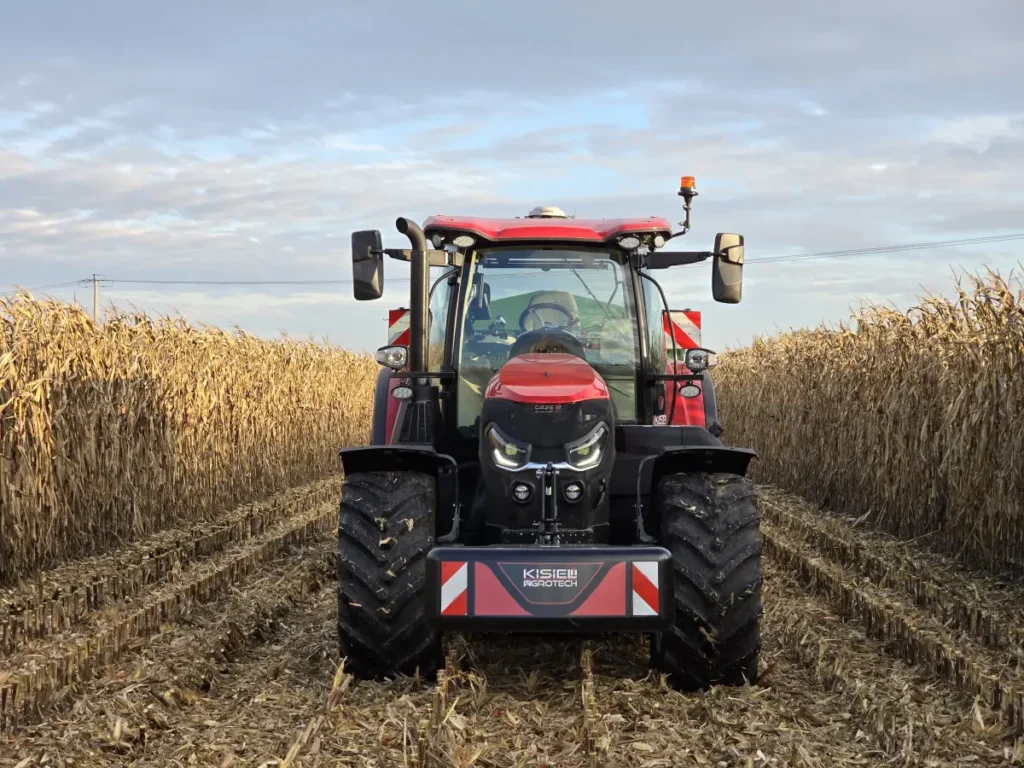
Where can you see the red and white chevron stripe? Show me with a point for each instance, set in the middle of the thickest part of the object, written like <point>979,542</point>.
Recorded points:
<point>645,588</point>
<point>685,325</point>
<point>454,588</point>
<point>398,327</point>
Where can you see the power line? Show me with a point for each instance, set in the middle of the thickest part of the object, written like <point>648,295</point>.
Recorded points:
<point>51,286</point>
<point>884,249</point>
<point>891,249</point>
<point>767,260</point>
<point>231,282</point>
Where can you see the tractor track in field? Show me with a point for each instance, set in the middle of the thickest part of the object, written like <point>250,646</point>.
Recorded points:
<point>61,598</point>
<point>113,614</point>
<point>873,654</point>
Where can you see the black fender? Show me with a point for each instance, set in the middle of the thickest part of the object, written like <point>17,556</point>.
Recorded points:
<point>710,404</point>
<point>694,458</point>
<point>378,433</point>
<point>700,458</point>
<point>410,458</point>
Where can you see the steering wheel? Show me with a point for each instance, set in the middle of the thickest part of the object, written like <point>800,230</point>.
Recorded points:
<point>547,340</point>
<point>545,305</point>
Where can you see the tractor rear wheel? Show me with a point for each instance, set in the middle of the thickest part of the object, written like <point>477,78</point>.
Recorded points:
<point>711,525</point>
<point>385,530</point>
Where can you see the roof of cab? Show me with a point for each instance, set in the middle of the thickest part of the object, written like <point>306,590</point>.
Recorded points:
<point>557,229</point>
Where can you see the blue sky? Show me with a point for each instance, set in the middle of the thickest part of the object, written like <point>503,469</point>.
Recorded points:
<point>245,141</point>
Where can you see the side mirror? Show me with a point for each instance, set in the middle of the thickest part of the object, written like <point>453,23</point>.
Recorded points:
<point>367,265</point>
<point>727,269</point>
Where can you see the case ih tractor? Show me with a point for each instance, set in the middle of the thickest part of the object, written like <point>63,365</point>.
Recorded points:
<point>537,463</point>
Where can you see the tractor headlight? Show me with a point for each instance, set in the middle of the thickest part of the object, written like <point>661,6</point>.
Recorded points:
<point>505,451</point>
<point>587,452</point>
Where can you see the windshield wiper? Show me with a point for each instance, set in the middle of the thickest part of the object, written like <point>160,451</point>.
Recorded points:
<point>587,289</point>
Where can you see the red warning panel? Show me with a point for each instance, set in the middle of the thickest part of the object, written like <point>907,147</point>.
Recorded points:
<point>645,589</point>
<point>454,588</point>
<point>398,327</point>
<point>684,325</point>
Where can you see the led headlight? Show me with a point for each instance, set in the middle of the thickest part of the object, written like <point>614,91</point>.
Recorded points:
<point>505,451</point>
<point>588,451</point>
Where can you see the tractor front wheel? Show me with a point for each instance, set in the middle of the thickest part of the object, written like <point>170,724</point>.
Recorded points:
<point>711,525</point>
<point>385,530</point>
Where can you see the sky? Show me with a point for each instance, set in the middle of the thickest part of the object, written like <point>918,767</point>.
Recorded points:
<point>245,141</point>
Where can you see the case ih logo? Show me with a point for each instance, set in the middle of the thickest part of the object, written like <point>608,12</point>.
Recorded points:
<point>551,577</point>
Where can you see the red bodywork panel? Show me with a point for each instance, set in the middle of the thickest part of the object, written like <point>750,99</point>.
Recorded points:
<point>689,411</point>
<point>547,378</point>
<point>568,230</point>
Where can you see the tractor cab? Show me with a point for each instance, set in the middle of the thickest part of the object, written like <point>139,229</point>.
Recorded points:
<point>528,425</point>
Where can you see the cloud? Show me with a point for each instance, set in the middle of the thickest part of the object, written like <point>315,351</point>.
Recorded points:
<point>236,141</point>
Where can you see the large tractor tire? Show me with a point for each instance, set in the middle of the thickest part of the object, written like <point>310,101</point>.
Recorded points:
<point>711,525</point>
<point>385,530</point>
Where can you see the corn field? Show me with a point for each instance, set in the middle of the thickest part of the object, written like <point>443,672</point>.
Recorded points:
<point>915,420</point>
<point>111,432</point>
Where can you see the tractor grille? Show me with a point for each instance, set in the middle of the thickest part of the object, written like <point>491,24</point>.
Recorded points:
<point>548,425</point>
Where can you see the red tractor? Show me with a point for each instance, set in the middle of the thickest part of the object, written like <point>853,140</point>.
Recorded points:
<point>541,467</point>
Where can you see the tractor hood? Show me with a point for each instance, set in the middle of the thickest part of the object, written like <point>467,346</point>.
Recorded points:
<point>548,377</point>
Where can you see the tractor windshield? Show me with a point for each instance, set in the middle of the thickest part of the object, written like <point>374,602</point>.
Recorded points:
<point>584,292</point>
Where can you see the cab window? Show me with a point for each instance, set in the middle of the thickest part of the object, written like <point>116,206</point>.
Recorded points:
<point>654,307</point>
<point>441,295</point>
<point>585,292</point>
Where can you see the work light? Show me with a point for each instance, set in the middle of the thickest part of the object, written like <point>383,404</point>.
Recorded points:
<point>394,357</point>
<point>700,359</point>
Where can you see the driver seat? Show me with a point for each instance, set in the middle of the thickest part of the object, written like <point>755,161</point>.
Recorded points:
<point>533,321</point>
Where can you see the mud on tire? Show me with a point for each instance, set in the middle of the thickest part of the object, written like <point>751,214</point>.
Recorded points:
<point>385,530</point>
<point>711,525</point>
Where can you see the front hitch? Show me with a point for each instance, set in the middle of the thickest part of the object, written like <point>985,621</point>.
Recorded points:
<point>548,526</point>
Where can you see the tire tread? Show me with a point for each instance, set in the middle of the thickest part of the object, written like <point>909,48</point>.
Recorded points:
<point>711,525</point>
<point>383,629</point>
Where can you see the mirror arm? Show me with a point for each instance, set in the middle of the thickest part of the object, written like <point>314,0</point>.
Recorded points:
<point>435,257</point>
<point>666,259</point>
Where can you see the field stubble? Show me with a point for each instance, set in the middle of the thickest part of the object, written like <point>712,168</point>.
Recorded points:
<point>253,679</point>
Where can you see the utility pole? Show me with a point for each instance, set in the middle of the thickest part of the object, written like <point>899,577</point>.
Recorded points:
<point>95,296</point>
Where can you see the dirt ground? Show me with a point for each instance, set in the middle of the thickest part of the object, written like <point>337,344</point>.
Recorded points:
<point>874,654</point>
